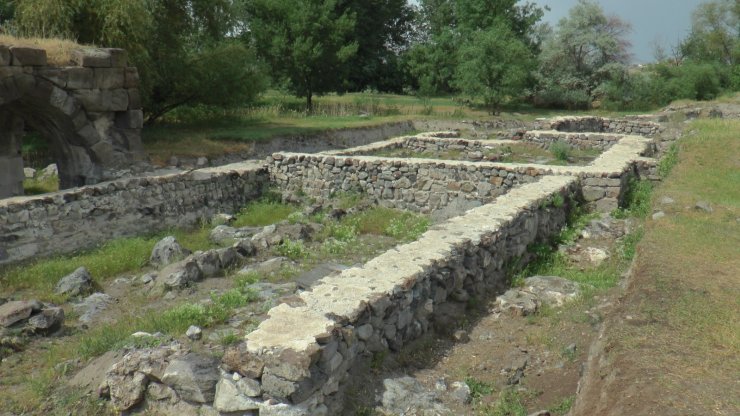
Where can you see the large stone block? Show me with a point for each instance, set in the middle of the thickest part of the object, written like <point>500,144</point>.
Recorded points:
<point>118,57</point>
<point>134,99</point>
<point>92,58</point>
<point>90,99</point>
<point>132,119</point>
<point>109,78</point>
<point>80,78</point>
<point>23,56</point>
<point>115,100</point>
<point>61,100</point>
<point>9,71</point>
<point>56,76</point>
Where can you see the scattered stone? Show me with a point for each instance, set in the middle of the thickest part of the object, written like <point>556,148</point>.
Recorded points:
<point>552,290</point>
<point>461,336</point>
<point>29,173</point>
<point>308,279</point>
<point>440,385</point>
<point>666,200</point>
<point>238,359</point>
<point>658,215</point>
<point>248,386</point>
<point>595,256</point>
<point>49,171</point>
<point>181,275</point>
<point>266,267</point>
<point>201,162</point>
<point>605,227</point>
<point>226,234</point>
<point>194,333</point>
<point>209,262</point>
<point>77,283</point>
<point>146,279</point>
<point>272,291</point>
<point>49,319</point>
<point>159,392</point>
<point>222,218</point>
<point>461,392</point>
<point>405,394</point>
<point>266,237</point>
<point>90,307</point>
<point>194,377</point>
<point>518,302</point>
<point>229,398</point>
<point>704,206</point>
<point>167,251</point>
<point>17,311</point>
<point>245,248</point>
<point>227,256</point>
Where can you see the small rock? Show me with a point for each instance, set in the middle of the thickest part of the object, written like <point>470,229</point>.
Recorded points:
<point>209,262</point>
<point>249,387</point>
<point>666,200</point>
<point>77,283</point>
<point>540,413</point>
<point>238,359</point>
<point>201,162</point>
<point>146,279</point>
<point>230,399</point>
<point>47,320</point>
<point>552,290</point>
<point>16,311</point>
<point>658,215</point>
<point>91,306</point>
<point>336,213</point>
<point>266,267</point>
<point>49,171</point>
<point>222,233</point>
<point>167,251</point>
<point>704,206</point>
<point>194,377</point>
<point>245,248</point>
<point>518,302</point>
<point>461,392</point>
<point>595,255</point>
<point>227,256</point>
<point>364,332</point>
<point>194,332</point>
<point>29,173</point>
<point>160,392</point>
<point>440,385</point>
<point>461,336</point>
<point>570,349</point>
<point>141,334</point>
<point>405,393</point>
<point>181,275</point>
<point>222,218</point>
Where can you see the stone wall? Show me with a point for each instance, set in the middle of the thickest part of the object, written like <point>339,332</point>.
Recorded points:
<point>635,125</point>
<point>302,354</point>
<point>428,185</point>
<point>545,138</point>
<point>85,217</point>
<point>89,112</point>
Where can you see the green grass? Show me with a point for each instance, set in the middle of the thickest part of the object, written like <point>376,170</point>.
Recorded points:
<point>560,150</point>
<point>637,200</point>
<point>37,186</point>
<point>509,403</point>
<point>263,212</point>
<point>174,322</point>
<point>294,250</point>
<point>401,225</point>
<point>478,388</point>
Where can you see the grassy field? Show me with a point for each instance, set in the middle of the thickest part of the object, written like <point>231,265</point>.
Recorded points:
<point>209,132</point>
<point>674,343</point>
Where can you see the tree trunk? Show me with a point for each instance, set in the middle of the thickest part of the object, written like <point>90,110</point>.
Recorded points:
<point>309,102</point>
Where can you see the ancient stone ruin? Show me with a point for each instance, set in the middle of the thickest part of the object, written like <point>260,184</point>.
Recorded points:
<point>298,360</point>
<point>89,112</point>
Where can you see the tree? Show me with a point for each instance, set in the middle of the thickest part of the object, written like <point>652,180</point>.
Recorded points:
<point>382,32</point>
<point>180,47</point>
<point>573,57</point>
<point>715,33</point>
<point>306,42</point>
<point>494,65</point>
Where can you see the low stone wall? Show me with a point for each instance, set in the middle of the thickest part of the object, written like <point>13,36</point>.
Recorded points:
<point>545,138</point>
<point>302,354</point>
<point>428,185</point>
<point>629,125</point>
<point>84,217</point>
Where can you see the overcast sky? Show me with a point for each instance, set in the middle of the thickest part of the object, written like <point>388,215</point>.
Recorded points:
<point>665,21</point>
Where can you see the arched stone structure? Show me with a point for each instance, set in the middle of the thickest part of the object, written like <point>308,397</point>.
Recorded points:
<point>89,113</point>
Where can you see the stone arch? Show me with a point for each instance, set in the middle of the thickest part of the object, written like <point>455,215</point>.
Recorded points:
<point>90,114</point>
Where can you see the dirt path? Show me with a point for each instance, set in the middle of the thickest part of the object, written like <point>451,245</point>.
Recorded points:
<point>672,346</point>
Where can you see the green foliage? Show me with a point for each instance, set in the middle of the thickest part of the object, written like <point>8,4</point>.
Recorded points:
<point>306,42</point>
<point>637,200</point>
<point>478,388</point>
<point>407,226</point>
<point>509,403</point>
<point>494,65</point>
<point>37,186</point>
<point>575,58</point>
<point>293,249</point>
<point>262,212</point>
<point>561,150</point>
<point>563,407</point>
<point>668,161</point>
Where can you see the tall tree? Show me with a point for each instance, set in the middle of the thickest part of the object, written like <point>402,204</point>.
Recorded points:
<point>715,33</point>
<point>306,42</point>
<point>382,32</point>
<point>575,56</point>
<point>494,65</point>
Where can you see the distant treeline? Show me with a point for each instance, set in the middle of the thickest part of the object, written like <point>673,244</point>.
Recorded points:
<point>492,53</point>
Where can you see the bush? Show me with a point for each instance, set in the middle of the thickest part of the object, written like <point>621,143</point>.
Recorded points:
<point>560,150</point>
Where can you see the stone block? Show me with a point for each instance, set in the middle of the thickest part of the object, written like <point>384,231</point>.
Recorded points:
<point>131,77</point>
<point>92,58</point>
<point>23,56</point>
<point>80,78</point>
<point>109,78</point>
<point>9,71</point>
<point>118,57</point>
<point>134,99</point>
<point>132,119</point>
<point>5,56</point>
<point>90,99</point>
<point>54,75</point>
<point>115,100</point>
<point>61,100</point>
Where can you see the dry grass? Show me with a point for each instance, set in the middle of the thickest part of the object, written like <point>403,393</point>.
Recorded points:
<point>58,51</point>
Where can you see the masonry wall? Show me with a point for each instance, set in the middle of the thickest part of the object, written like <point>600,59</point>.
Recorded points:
<point>630,125</point>
<point>303,354</point>
<point>85,217</point>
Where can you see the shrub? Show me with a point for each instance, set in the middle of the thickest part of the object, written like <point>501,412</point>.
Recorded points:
<point>293,249</point>
<point>560,150</point>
